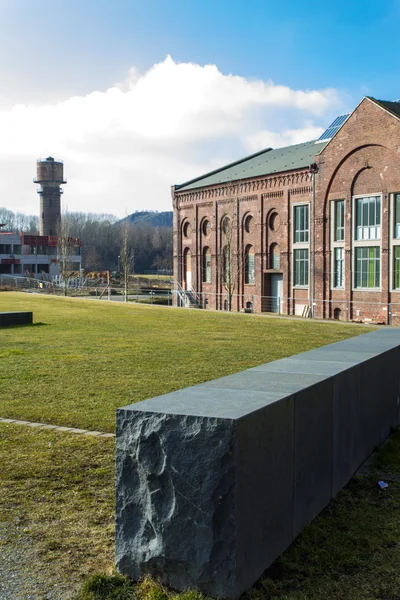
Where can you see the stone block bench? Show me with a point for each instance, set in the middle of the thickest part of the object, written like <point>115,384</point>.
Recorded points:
<point>215,481</point>
<point>8,319</point>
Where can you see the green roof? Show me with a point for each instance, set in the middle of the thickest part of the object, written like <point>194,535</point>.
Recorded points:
<point>263,163</point>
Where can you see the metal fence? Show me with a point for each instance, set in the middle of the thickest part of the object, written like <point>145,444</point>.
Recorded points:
<point>342,310</point>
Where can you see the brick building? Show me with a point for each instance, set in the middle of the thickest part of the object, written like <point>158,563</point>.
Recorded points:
<point>312,228</point>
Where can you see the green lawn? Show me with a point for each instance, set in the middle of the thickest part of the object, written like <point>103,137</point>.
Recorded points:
<point>81,360</point>
<point>57,494</point>
<point>59,489</point>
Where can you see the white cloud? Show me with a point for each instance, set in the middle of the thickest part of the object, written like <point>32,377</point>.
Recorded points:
<point>124,147</point>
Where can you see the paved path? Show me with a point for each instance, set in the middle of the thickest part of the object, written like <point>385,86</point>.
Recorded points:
<point>58,428</point>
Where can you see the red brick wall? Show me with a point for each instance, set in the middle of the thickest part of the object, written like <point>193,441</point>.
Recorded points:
<point>363,158</point>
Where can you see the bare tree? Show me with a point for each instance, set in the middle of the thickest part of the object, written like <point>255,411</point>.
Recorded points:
<point>126,254</point>
<point>65,248</point>
<point>231,259</point>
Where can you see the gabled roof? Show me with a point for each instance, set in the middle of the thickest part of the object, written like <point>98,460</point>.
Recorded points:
<point>392,107</point>
<point>263,163</point>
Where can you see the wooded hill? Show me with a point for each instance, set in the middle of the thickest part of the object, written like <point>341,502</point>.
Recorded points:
<point>150,236</point>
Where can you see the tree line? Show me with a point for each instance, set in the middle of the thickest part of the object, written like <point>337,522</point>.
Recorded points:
<point>102,234</point>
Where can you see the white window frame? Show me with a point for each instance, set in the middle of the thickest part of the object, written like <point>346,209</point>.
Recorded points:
<point>300,245</point>
<point>335,286</point>
<point>301,285</point>
<point>394,241</point>
<point>295,206</point>
<point>368,227</point>
<point>337,243</point>
<point>395,228</point>
<point>369,243</point>
<point>335,227</point>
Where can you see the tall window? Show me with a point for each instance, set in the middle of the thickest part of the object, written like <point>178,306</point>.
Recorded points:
<point>368,218</point>
<point>300,267</point>
<point>207,265</point>
<point>367,267</point>
<point>275,257</point>
<point>301,224</point>
<point>249,276</point>
<point>301,250</point>
<point>397,216</point>
<point>396,267</point>
<point>338,281</point>
<point>339,221</point>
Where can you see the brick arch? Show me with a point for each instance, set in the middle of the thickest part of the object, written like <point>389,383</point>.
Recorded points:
<point>367,181</point>
<point>352,156</point>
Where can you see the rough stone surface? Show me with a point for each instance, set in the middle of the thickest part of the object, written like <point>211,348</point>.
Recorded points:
<point>215,481</point>
<point>176,515</point>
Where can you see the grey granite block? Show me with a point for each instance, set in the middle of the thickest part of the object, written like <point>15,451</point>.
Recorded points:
<point>264,488</point>
<point>8,319</point>
<point>313,416</point>
<point>346,426</point>
<point>216,480</point>
<point>176,517</point>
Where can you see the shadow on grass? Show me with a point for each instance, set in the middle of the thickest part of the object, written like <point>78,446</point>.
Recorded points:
<point>39,324</point>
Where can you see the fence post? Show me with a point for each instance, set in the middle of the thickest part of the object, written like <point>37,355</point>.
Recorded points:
<point>347,310</point>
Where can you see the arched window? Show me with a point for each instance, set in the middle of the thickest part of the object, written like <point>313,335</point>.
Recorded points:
<point>248,223</point>
<point>274,257</point>
<point>226,266</point>
<point>186,229</point>
<point>206,267</point>
<point>206,227</point>
<point>187,269</point>
<point>274,221</point>
<point>249,276</point>
<point>226,225</point>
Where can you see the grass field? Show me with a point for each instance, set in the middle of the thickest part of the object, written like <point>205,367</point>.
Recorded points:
<point>59,489</point>
<point>82,359</point>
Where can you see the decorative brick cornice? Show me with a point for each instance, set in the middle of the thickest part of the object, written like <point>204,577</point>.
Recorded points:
<point>301,190</point>
<point>234,189</point>
<point>248,198</point>
<point>268,195</point>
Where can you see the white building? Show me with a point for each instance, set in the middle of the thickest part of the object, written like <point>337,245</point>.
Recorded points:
<point>34,255</point>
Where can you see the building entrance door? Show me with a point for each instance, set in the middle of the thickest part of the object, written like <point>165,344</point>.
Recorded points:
<point>276,292</point>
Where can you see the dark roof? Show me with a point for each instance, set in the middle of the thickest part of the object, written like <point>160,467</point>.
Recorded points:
<point>392,107</point>
<point>263,163</point>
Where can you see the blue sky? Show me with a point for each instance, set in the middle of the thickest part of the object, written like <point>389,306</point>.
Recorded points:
<point>54,51</point>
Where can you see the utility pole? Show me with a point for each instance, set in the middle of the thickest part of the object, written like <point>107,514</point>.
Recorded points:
<point>313,171</point>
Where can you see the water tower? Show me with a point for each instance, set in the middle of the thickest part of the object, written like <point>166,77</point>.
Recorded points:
<point>50,175</point>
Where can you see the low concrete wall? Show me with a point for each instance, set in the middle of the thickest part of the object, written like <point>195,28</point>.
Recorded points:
<point>15,318</point>
<point>215,481</point>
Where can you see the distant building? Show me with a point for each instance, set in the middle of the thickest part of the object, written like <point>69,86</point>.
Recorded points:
<point>314,227</point>
<point>38,255</point>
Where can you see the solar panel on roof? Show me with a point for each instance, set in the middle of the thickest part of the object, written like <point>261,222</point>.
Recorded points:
<point>333,128</point>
